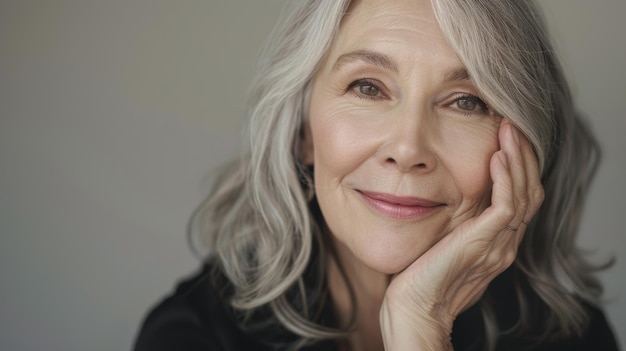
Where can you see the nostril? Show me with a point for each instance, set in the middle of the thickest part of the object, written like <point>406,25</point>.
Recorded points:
<point>391,161</point>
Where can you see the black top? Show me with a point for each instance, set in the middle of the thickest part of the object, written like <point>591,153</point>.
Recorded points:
<point>197,318</point>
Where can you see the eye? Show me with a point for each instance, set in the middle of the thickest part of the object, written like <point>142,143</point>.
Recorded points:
<point>366,89</point>
<point>470,104</point>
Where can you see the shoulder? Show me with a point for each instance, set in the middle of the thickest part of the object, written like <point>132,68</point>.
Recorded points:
<point>469,328</point>
<point>597,336</point>
<point>194,317</point>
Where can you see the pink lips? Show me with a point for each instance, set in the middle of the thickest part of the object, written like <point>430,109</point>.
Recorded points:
<point>400,207</point>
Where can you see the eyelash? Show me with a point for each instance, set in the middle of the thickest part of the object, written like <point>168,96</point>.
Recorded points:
<point>483,106</point>
<point>363,82</point>
<point>359,83</point>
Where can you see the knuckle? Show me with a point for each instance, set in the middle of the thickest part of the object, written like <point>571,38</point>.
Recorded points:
<point>496,264</point>
<point>491,263</point>
<point>538,195</point>
<point>507,212</point>
<point>508,258</point>
<point>522,204</point>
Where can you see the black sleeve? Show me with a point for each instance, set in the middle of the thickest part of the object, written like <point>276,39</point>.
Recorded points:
<point>194,318</point>
<point>170,327</point>
<point>599,335</point>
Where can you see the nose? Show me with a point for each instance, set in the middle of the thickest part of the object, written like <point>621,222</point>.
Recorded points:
<point>409,145</point>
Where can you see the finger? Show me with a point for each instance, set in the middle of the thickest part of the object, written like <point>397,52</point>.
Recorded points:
<point>502,209</point>
<point>497,229</point>
<point>511,144</point>
<point>535,188</point>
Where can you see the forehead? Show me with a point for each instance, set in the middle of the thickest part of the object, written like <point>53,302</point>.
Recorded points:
<point>402,28</point>
<point>394,13</point>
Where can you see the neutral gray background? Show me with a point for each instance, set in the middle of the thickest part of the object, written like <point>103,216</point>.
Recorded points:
<point>112,115</point>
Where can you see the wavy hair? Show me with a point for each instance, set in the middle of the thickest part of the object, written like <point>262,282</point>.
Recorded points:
<point>258,223</point>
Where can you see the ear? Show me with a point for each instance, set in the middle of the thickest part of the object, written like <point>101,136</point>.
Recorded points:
<point>306,145</point>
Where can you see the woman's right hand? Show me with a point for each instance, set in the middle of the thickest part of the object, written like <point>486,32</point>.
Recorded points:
<point>422,302</point>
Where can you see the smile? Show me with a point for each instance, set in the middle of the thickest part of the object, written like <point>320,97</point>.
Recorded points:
<point>399,207</point>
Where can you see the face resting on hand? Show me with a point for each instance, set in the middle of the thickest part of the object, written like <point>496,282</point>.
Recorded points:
<point>399,137</point>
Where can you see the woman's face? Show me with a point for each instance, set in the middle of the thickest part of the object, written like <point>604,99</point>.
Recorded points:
<point>399,137</point>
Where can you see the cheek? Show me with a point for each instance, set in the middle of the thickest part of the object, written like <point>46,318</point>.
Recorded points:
<point>336,146</point>
<point>342,139</point>
<point>469,152</point>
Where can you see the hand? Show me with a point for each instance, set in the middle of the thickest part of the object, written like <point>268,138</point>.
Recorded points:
<point>422,302</point>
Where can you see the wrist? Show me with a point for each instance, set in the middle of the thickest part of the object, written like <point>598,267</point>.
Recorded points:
<point>405,330</point>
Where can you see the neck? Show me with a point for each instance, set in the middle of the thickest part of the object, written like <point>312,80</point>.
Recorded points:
<point>368,291</point>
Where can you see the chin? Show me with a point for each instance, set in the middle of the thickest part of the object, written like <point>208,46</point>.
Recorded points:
<point>390,262</point>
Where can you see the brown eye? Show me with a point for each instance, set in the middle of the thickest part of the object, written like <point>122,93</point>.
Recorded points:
<point>467,104</point>
<point>470,104</point>
<point>368,90</point>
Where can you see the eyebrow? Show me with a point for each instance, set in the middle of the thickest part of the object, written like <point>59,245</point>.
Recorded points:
<point>371,57</point>
<point>385,62</point>
<point>457,74</point>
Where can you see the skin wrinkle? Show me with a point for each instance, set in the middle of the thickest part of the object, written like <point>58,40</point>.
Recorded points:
<point>371,57</point>
<point>385,62</point>
<point>298,51</point>
<point>405,135</point>
<point>417,93</point>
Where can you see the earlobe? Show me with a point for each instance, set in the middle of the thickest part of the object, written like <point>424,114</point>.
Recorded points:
<point>306,145</point>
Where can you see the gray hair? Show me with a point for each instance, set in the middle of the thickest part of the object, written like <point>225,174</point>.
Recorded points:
<point>257,221</point>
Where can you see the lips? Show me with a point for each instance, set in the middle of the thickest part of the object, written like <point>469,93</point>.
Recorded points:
<point>400,207</point>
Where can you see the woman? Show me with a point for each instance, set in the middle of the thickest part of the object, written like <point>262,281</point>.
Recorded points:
<point>414,181</point>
